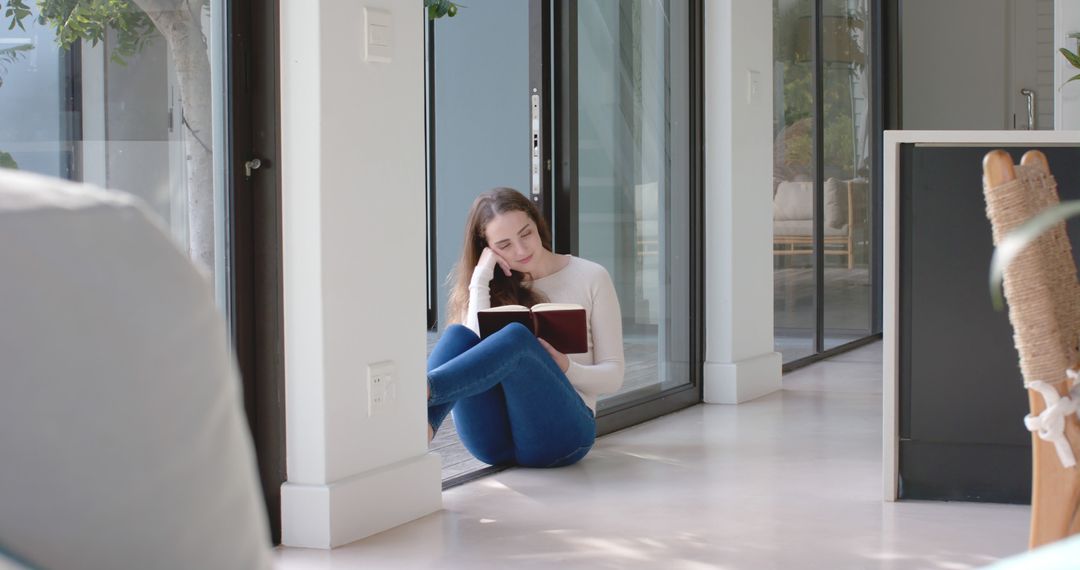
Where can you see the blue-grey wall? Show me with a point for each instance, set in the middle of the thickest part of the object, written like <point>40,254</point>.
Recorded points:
<point>481,116</point>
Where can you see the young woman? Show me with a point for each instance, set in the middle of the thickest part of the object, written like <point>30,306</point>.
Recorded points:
<point>515,398</point>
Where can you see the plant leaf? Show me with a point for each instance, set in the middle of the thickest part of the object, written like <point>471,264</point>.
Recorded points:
<point>1073,58</point>
<point>7,162</point>
<point>1021,237</point>
<point>1073,78</point>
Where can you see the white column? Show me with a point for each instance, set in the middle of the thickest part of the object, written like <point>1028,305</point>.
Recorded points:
<point>353,226</point>
<point>740,363</point>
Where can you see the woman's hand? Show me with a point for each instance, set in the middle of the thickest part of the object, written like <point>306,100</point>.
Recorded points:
<point>561,359</point>
<point>485,267</point>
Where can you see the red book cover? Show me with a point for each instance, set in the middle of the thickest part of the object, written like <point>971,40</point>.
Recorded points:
<point>561,325</point>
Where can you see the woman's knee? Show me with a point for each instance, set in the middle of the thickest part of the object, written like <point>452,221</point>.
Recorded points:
<point>517,332</point>
<point>459,331</point>
<point>455,340</point>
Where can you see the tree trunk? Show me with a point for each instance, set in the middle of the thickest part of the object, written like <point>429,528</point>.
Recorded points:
<point>180,23</point>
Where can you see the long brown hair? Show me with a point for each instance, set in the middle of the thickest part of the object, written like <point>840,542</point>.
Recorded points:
<point>504,290</point>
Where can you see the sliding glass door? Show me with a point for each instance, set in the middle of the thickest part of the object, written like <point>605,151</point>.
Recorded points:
<point>625,184</point>
<point>824,255</point>
<point>609,92</point>
<point>123,102</point>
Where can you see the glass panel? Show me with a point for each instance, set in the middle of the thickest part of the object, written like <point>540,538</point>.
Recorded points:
<point>633,186</point>
<point>113,102</point>
<point>793,175</point>
<point>847,171</point>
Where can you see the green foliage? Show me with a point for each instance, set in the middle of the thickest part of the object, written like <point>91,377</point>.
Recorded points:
<point>798,117</point>
<point>795,126</point>
<point>18,11</point>
<point>11,55</point>
<point>1074,60</point>
<point>438,8</point>
<point>89,20</point>
<point>7,162</point>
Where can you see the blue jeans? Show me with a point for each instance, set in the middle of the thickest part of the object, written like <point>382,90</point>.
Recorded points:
<point>512,404</point>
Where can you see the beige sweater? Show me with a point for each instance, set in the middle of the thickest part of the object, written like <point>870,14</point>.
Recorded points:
<point>600,370</point>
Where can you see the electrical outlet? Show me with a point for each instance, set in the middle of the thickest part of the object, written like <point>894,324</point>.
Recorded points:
<point>382,386</point>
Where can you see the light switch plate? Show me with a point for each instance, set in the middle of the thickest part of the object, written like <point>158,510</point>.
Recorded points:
<point>753,85</point>
<point>378,35</point>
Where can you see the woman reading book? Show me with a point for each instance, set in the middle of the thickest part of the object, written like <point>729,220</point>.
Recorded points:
<point>516,399</point>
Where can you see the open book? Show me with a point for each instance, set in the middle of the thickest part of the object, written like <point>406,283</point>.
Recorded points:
<point>562,325</point>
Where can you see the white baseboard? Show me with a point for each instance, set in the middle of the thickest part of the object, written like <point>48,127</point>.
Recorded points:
<point>328,516</point>
<point>742,380</point>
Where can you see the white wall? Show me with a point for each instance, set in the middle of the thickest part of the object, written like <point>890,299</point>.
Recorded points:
<point>354,274</point>
<point>952,56</point>
<point>965,62</point>
<point>1067,98</point>
<point>1033,56</point>
<point>740,363</point>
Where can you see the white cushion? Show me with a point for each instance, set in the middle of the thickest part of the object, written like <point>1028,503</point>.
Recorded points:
<point>122,437</point>
<point>794,201</point>
<point>836,204</point>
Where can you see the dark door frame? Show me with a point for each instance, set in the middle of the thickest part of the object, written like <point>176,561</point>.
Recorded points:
<point>553,61</point>
<point>254,236</point>
<point>432,220</point>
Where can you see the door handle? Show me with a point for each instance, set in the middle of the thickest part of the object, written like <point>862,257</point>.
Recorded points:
<point>1030,95</point>
<point>251,165</point>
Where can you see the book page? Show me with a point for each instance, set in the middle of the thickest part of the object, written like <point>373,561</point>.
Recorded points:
<point>555,307</point>
<point>505,308</point>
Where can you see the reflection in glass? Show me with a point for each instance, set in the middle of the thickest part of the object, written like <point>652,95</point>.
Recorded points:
<point>110,94</point>
<point>793,180</point>
<point>633,185</point>
<point>847,171</point>
<point>846,188</point>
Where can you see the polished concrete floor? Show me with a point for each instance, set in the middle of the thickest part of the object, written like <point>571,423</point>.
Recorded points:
<point>791,480</point>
